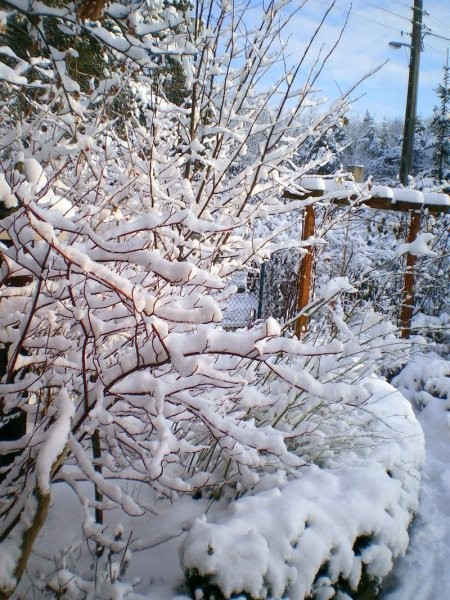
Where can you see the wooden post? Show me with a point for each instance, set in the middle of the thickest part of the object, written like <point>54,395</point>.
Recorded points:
<point>97,454</point>
<point>305,271</point>
<point>358,172</point>
<point>407,308</point>
<point>262,277</point>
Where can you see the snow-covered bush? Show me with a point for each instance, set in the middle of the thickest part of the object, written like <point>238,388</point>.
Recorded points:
<point>332,530</point>
<point>122,237</point>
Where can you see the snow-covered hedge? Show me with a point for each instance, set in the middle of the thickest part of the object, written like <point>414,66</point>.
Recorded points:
<point>328,530</point>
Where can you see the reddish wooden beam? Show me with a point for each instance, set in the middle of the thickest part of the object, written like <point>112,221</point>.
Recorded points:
<point>308,194</point>
<point>407,308</point>
<point>381,203</point>
<point>305,271</point>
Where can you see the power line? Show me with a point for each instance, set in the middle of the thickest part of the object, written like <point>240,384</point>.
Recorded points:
<point>436,35</point>
<point>406,5</point>
<point>393,28</point>
<point>448,29</point>
<point>356,14</point>
<point>435,49</point>
<point>424,12</point>
<point>437,22</point>
<point>391,12</point>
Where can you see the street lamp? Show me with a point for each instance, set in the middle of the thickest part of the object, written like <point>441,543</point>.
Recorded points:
<point>399,44</point>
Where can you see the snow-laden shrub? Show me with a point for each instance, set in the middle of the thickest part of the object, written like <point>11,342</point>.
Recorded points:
<point>360,519</point>
<point>327,530</point>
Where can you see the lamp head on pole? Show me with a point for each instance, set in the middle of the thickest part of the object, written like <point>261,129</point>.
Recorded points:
<point>399,44</point>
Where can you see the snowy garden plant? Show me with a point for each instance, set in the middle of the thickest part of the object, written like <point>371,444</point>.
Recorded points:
<point>124,395</point>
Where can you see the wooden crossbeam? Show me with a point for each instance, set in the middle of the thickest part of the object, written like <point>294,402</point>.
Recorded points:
<point>377,202</point>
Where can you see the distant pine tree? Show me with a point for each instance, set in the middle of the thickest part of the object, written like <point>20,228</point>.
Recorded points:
<point>325,151</point>
<point>361,136</point>
<point>369,130</point>
<point>441,128</point>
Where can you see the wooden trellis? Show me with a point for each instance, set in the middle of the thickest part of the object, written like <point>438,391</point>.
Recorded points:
<point>382,198</point>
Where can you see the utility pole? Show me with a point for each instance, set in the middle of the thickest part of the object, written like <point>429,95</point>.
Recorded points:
<point>407,307</point>
<point>411,99</point>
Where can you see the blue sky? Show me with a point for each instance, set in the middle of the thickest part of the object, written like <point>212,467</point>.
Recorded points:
<point>372,24</point>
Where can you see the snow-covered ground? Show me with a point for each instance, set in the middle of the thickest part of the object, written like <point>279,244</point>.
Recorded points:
<point>424,574</point>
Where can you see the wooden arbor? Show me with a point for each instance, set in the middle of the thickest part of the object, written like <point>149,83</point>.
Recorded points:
<point>345,193</point>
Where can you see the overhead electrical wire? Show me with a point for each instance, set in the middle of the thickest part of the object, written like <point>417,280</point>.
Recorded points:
<point>408,5</point>
<point>435,49</point>
<point>377,6</point>
<point>391,12</point>
<point>356,14</point>
<point>439,23</point>
<point>428,16</point>
<point>424,12</point>
<point>392,27</point>
<point>405,4</point>
<point>435,35</point>
<point>444,26</point>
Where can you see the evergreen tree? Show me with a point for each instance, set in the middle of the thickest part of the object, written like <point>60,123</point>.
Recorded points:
<point>86,59</point>
<point>361,134</point>
<point>368,133</point>
<point>422,158</point>
<point>377,146</point>
<point>325,152</point>
<point>441,127</point>
<point>385,165</point>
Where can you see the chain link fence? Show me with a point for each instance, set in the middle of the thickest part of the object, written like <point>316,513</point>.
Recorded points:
<point>270,290</point>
